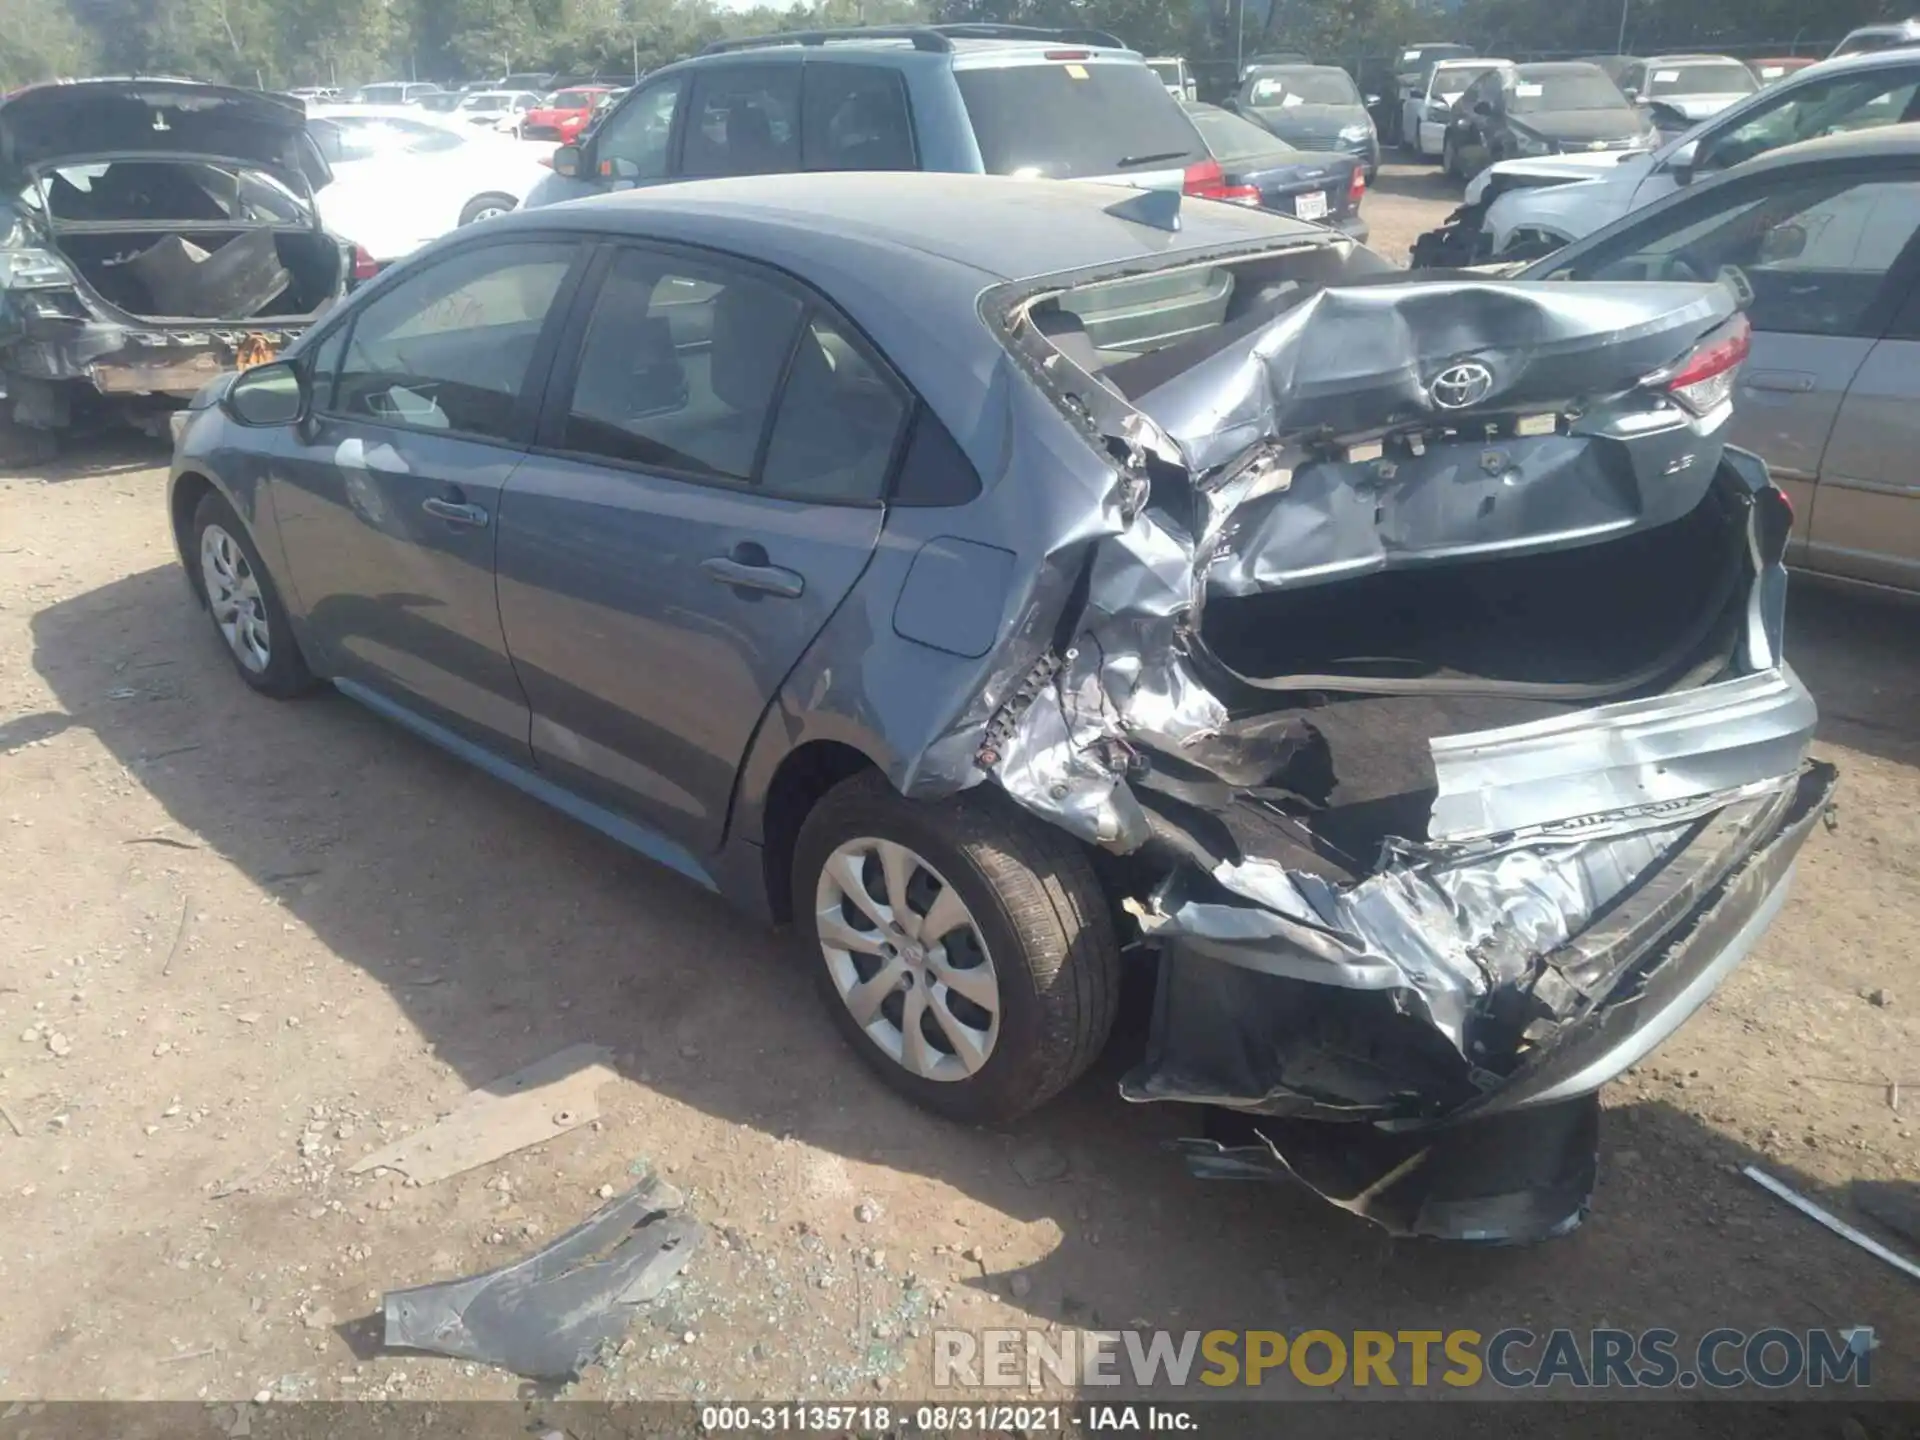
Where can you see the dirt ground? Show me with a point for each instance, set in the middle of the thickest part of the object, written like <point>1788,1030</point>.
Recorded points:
<point>244,943</point>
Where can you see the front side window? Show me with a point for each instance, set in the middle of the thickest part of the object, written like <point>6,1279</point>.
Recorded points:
<point>449,347</point>
<point>854,117</point>
<point>634,142</point>
<point>714,374</point>
<point>1814,251</point>
<point>743,121</point>
<point>1824,107</point>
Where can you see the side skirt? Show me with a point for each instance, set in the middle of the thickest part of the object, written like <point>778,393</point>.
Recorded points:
<point>618,828</point>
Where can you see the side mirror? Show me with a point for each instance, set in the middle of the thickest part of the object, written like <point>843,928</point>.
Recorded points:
<point>267,395</point>
<point>1681,163</point>
<point>566,161</point>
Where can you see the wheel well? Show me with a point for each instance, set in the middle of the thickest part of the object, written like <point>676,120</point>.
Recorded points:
<point>188,492</point>
<point>803,777</point>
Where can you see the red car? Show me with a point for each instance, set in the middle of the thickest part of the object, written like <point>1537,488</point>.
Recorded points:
<point>563,114</point>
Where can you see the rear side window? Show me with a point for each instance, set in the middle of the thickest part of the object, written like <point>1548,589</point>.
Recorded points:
<point>854,117</point>
<point>1063,120</point>
<point>743,120</point>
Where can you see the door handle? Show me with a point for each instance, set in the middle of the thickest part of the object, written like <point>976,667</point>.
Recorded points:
<point>454,512</point>
<point>748,569</point>
<point>1785,382</point>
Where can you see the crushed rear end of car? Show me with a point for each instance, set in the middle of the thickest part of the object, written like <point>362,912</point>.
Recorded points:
<point>156,233</point>
<point>1421,681</point>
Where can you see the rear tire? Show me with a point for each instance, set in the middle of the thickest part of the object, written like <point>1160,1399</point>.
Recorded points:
<point>244,604</point>
<point>1016,987</point>
<point>1450,158</point>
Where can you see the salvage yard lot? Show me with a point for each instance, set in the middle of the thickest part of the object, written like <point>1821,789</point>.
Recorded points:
<point>243,944</point>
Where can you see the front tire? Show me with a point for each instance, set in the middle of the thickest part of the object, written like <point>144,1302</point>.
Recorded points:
<point>486,207</point>
<point>244,604</point>
<point>964,949</point>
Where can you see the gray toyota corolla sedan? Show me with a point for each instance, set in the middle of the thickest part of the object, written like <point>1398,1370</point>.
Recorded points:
<point>1009,582</point>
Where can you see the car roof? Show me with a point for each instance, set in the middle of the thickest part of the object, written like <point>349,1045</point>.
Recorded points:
<point>1557,67</point>
<point>1693,60</point>
<point>996,227</point>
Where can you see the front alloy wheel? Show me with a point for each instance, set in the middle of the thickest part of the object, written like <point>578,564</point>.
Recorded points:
<point>233,598</point>
<point>906,957</point>
<point>243,602</point>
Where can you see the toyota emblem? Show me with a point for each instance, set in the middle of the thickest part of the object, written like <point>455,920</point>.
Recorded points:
<point>1458,386</point>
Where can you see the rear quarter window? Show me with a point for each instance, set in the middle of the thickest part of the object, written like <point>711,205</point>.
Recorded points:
<point>1061,120</point>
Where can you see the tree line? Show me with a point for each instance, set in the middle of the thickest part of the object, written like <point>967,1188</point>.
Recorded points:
<point>282,43</point>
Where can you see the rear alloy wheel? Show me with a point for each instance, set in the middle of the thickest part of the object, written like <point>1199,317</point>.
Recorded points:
<point>487,207</point>
<point>244,605</point>
<point>965,949</point>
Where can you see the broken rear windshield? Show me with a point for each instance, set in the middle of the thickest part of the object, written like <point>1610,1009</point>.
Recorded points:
<point>1064,121</point>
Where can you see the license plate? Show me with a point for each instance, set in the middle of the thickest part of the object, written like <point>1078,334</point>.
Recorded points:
<point>251,351</point>
<point>1311,206</point>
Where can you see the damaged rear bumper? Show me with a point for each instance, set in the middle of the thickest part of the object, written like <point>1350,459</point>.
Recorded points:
<point>1508,1153</point>
<point>117,359</point>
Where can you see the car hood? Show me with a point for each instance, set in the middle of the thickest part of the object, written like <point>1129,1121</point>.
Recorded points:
<point>1572,126</point>
<point>1598,168</point>
<point>48,124</point>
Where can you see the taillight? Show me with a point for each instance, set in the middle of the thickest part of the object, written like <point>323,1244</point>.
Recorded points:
<point>1240,195</point>
<point>1705,378</point>
<point>365,267</point>
<point>1357,186</point>
<point>1205,181</point>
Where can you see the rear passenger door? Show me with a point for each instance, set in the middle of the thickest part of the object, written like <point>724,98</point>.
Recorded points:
<point>705,489</point>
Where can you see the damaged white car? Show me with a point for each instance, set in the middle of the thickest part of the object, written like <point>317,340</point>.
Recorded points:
<point>1028,576</point>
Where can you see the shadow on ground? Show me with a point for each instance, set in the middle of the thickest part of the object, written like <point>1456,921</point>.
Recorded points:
<point>413,867</point>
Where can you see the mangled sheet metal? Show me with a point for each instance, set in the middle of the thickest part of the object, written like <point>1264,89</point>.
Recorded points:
<point>548,1315</point>
<point>1390,427</point>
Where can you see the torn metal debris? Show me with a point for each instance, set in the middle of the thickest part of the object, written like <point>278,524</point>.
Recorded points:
<point>548,1315</point>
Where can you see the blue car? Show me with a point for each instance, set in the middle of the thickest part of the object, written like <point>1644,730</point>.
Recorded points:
<point>1005,582</point>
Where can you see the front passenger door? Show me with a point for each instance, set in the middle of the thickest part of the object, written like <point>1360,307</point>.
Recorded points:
<point>706,489</point>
